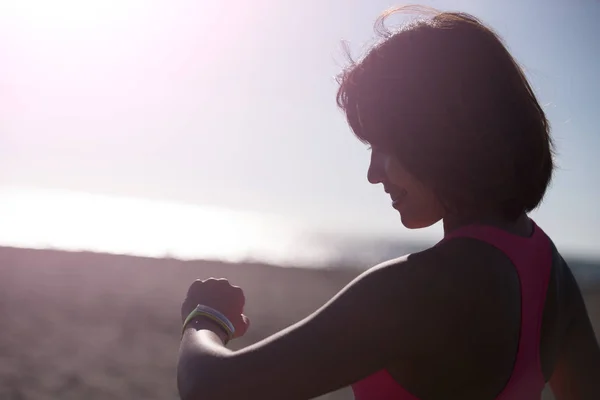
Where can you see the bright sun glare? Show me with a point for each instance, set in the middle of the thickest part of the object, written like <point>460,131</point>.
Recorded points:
<point>69,13</point>
<point>75,221</point>
<point>68,40</point>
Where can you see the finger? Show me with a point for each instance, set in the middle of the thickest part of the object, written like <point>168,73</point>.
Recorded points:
<point>197,284</point>
<point>238,295</point>
<point>216,282</point>
<point>243,326</point>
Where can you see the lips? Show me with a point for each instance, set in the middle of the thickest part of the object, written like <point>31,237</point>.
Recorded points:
<point>398,200</point>
<point>397,195</point>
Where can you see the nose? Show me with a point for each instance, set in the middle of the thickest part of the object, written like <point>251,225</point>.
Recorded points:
<point>376,171</point>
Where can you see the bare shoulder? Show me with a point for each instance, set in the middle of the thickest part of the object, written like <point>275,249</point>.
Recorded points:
<point>479,282</point>
<point>574,360</point>
<point>461,289</point>
<point>459,266</point>
<point>456,288</point>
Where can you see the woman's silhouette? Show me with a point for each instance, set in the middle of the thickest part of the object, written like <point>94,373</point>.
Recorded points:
<point>491,312</point>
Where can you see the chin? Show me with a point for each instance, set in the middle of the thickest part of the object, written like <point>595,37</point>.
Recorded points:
<point>416,223</point>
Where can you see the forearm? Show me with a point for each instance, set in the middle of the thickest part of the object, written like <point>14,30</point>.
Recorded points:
<point>201,349</point>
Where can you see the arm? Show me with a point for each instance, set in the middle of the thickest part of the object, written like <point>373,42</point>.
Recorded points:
<point>577,372</point>
<point>342,342</point>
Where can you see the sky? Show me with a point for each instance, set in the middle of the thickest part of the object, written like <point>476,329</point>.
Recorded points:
<point>232,105</point>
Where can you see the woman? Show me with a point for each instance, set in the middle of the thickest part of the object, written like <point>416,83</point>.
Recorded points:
<point>491,312</point>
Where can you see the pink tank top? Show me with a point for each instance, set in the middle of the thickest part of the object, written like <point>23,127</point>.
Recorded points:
<point>532,257</point>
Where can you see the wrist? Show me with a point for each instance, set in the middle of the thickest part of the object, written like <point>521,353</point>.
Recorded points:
<point>202,323</point>
<point>206,313</point>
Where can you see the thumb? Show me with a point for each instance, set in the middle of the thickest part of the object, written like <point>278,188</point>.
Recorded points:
<point>243,326</point>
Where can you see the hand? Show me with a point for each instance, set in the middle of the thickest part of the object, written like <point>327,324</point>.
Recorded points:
<point>220,295</point>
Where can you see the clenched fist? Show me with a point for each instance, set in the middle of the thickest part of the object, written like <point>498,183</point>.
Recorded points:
<point>219,294</point>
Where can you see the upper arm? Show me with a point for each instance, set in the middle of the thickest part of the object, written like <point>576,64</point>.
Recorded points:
<point>576,374</point>
<point>381,316</point>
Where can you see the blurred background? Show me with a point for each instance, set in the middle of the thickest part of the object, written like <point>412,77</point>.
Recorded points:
<point>144,144</point>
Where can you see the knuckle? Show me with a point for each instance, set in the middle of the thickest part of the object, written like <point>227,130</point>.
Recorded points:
<point>195,285</point>
<point>238,291</point>
<point>239,294</point>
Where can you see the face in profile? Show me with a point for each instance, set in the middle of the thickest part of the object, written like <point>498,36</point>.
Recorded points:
<point>417,204</point>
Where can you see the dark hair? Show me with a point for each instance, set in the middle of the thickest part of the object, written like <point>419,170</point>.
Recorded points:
<point>445,96</point>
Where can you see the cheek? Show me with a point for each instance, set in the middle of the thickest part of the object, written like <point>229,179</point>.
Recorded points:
<point>396,174</point>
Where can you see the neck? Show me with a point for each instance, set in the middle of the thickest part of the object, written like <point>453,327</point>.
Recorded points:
<point>522,226</point>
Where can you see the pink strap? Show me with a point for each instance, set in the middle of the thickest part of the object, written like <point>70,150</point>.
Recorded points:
<point>532,258</point>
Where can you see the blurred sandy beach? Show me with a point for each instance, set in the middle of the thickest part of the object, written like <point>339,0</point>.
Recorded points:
<point>98,326</point>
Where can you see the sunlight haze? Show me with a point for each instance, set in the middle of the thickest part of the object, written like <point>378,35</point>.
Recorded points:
<point>127,124</point>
